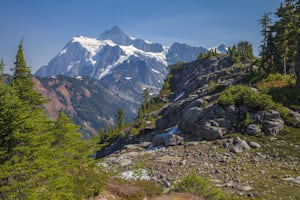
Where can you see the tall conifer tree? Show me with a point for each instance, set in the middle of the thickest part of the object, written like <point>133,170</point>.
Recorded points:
<point>22,80</point>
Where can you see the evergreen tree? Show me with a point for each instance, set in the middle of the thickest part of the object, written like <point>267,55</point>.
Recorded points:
<point>22,80</point>
<point>145,100</point>
<point>267,39</point>
<point>41,158</point>
<point>241,52</point>
<point>120,118</point>
<point>2,67</point>
<point>285,30</point>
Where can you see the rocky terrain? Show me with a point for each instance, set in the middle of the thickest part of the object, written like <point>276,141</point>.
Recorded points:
<point>259,160</point>
<point>119,65</point>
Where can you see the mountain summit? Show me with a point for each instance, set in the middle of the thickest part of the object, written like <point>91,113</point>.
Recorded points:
<point>103,56</point>
<point>116,35</point>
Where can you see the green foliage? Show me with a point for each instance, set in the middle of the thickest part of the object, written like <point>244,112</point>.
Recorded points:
<point>288,96</point>
<point>176,66</point>
<point>134,131</point>
<point>247,120</point>
<point>1,66</point>
<point>242,95</point>
<point>22,80</point>
<point>41,158</point>
<point>211,53</point>
<point>199,186</point>
<point>120,118</point>
<point>241,52</point>
<point>280,44</point>
<point>276,81</point>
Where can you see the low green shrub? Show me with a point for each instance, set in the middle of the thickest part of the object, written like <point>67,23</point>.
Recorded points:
<point>199,186</point>
<point>243,95</point>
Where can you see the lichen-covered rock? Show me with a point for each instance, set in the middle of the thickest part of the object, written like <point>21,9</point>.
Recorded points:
<point>273,126</point>
<point>239,146</point>
<point>253,129</point>
<point>254,145</point>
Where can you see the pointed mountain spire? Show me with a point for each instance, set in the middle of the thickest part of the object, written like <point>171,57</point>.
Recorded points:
<point>116,35</point>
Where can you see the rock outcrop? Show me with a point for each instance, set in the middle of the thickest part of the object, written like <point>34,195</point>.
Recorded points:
<point>195,109</point>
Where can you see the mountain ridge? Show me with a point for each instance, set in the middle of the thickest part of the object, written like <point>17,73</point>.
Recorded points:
<point>86,56</point>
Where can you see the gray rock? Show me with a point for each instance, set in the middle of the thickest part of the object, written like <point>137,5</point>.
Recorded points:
<point>254,145</point>
<point>159,139</point>
<point>274,126</point>
<point>253,129</point>
<point>240,147</point>
<point>211,132</point>
<point>166,140</point>
<point>271,114</point>
<point>167,184</point>
<point>172,140</point>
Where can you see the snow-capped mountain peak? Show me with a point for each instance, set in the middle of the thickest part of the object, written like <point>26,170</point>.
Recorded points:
<point>222,49</point>
<point>114,55</point>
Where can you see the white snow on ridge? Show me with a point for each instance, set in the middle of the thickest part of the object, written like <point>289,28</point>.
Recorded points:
<point>110,68</point>
<point>160,56</point>
<point>148,42</point>
<point>92,45</point>
<point>63,51</point>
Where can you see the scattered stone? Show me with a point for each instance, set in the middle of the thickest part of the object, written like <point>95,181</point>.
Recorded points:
<point>294,180</point>
<point>183,162</point>
<point>240,147</point>
<point>125,162</point>
<point>254,145</point>
<point>132,147</point>
<point>145,144</point>
<point>246,188</point>
<point>167,184</point>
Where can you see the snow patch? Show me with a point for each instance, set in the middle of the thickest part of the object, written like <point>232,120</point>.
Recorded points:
<point>155,71</point>
<point>139,174</point>
<point>69,67</point>
<point>79,77</point>
<point>92,46</point>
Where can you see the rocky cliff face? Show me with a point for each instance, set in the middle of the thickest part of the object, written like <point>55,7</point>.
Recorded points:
<point>194,133</point>
<point>194,108</point>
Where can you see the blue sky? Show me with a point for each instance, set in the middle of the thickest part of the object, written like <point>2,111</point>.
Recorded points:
<point>47,25</point>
